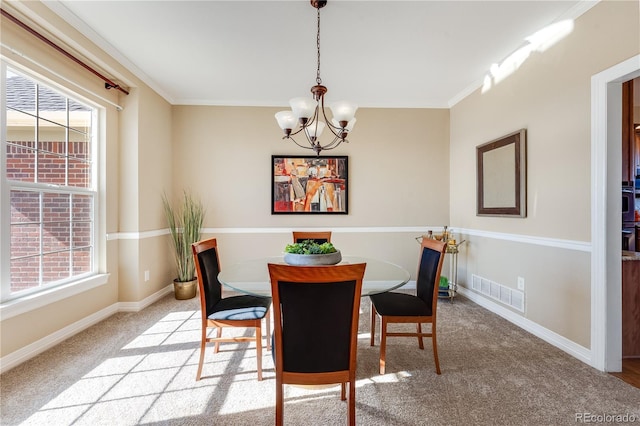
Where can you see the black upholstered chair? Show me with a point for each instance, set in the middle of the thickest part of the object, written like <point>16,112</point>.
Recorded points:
<point>233,311</point>
<point>407,308</point>
<point>316,310</point>
<point>316,236</point>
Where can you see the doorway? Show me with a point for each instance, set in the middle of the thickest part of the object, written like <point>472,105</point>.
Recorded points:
<point>606,281</point>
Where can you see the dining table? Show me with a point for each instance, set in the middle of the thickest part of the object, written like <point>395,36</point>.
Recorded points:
<point>252,276</point>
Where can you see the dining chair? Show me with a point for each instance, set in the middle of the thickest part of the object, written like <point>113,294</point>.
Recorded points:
<point>316,236</point>
<point>406,308</point>
<point>316,310</point>
<point>233,311</point>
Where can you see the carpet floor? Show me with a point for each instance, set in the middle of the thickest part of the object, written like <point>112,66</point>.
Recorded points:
<point>139,369</point>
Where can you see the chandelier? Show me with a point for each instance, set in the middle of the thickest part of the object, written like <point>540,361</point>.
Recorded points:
<point>309,113</point>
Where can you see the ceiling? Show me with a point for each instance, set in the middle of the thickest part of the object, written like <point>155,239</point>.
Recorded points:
<point>262,53</point>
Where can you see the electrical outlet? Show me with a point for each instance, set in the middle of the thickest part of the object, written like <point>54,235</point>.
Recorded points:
<point>146,275</point>
<point>520,283</point>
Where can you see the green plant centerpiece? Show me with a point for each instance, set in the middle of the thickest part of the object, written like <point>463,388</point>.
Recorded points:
<point>185,222</point>
<point>309,252</point>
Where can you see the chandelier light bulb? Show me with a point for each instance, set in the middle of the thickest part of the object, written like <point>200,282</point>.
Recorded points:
<point>303,108</point>
<point>287,120</point>
<point>343,110</point>
<point>316,129</point>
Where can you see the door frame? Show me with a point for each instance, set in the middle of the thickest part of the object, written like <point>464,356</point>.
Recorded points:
<point>606,211</point>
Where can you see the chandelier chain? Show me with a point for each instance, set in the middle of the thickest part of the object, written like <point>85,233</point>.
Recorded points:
<point>318,79</point>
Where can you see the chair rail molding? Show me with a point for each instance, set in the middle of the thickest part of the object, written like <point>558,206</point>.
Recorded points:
<point>526,239</point>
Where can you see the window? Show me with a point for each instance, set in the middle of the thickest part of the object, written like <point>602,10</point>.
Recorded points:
<point>50,183</point>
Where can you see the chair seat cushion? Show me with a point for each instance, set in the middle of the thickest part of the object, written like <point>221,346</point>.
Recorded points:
<point>240,308</point>
<point>400,304</point>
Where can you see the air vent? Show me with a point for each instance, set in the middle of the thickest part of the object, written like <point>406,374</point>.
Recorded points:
<point>503,294</point>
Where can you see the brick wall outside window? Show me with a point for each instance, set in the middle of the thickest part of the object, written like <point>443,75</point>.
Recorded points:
<point>51,188</point>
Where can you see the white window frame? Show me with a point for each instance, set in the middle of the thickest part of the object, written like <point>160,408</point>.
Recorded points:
<point>25,301</point>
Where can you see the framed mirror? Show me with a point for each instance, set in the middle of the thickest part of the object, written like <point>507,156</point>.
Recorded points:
<point>502,176</point>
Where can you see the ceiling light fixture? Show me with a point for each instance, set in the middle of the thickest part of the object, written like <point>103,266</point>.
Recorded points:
<point>308,112</point>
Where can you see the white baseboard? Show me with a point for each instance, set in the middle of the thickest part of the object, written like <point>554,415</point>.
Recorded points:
<point>138,306</point>
<point>560,342</point>
<point>27,352</point>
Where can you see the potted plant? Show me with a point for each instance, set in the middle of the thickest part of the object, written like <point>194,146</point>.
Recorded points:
<point>185,223</point>
<point>308,252</point>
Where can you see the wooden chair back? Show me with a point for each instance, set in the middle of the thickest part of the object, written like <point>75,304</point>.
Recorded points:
<point>317,236</point>
<point>207,268</point>
<point>316,311</point>
<point>429,269</point>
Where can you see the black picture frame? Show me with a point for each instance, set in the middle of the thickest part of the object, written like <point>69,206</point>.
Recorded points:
<point>309,184</point>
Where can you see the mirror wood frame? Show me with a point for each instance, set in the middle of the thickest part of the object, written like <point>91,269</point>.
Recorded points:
<point>502,176</point>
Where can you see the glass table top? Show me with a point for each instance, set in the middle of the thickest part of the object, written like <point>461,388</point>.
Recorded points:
<point>252,276</point>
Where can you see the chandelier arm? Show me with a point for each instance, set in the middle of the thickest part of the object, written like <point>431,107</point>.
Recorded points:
<point>330,148</point>
<point>307,124</point>
<point>296,142</point>
<point>296,132</point>
<point>334,143</point>
<point>335,130</point>
<point>312,143</point>
<point>311,122</point>
<point>306,135</point>
<point>333,127</point>
<point>313,119</point>
<point>330,125</point>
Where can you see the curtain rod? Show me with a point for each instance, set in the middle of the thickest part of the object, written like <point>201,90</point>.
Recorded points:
<point>61,77</point>
<point>108,84</point>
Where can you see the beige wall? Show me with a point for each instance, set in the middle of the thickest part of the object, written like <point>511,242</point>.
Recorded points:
<point>397,176</point>
<point>392,168</point>
<point>146,173</point>
<point>155,164</point>
<point>549,95</point>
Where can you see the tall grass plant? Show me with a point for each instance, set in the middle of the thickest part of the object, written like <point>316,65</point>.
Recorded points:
<point>185,222</point>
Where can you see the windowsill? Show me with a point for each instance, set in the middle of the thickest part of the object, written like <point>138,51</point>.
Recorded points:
<point>34,301</point>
